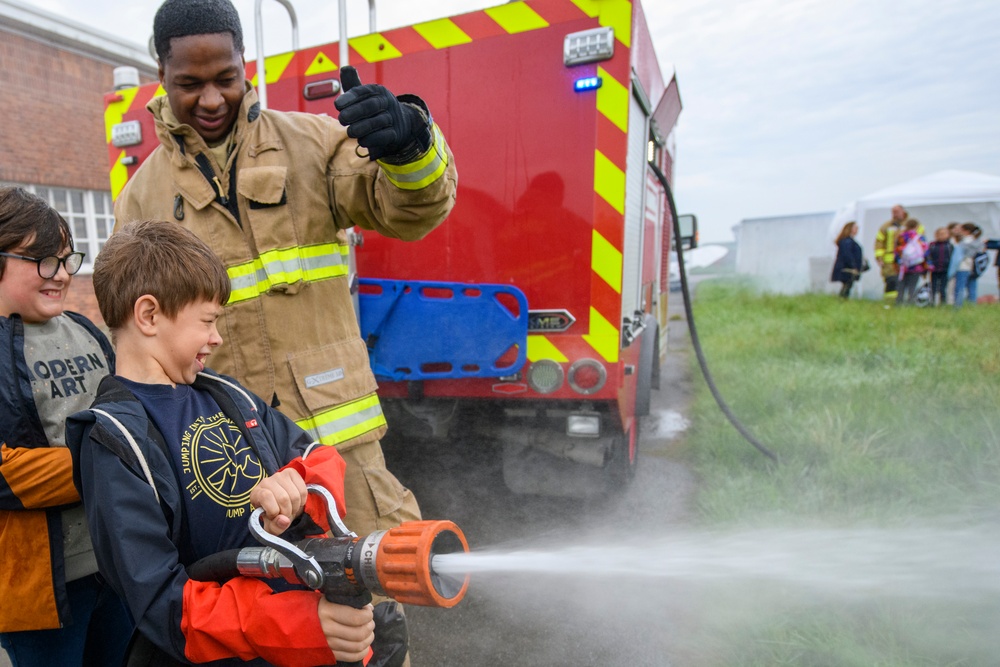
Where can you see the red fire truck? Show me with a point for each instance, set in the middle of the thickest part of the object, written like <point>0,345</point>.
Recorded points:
<point>537,311</point>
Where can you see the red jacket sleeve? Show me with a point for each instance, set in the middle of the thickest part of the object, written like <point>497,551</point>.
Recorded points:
<point>324,466</point>
<point>36,478</point>
<point>244,618</point>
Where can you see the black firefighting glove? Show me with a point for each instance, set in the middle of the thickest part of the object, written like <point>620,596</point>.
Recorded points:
<point>394,129</point>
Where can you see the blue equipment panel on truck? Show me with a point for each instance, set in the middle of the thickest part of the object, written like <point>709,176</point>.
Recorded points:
<point>423,330</point>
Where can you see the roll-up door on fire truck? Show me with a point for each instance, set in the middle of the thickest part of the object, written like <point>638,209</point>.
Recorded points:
<point>635,190</point>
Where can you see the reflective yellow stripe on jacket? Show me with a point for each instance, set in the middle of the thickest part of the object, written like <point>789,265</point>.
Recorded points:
<point>344,422</point>
<point>424,171</point>
<point>285,266</point>
<point>887,241</point>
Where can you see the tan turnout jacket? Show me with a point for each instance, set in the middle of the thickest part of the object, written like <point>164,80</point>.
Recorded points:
<point>289,328</point>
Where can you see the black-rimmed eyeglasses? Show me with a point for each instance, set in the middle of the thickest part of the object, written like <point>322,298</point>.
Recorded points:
<point>48,267</point>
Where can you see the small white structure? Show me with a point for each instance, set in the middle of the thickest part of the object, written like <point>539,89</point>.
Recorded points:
<point>934,200</point>
<point>787,254</point>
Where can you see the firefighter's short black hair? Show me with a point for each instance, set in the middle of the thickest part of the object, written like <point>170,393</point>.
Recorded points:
<point>180,18</point>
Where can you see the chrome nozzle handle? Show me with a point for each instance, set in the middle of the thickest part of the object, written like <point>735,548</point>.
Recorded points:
<point>306,567</point>
<point>332,516</point>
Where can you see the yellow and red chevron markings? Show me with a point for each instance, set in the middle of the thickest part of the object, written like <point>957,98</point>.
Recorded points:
<point>116,106</point>
<point>510,18</point>
<point>612,100</point>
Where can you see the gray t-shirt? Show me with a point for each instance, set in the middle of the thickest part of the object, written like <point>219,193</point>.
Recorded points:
<point>65,364</point>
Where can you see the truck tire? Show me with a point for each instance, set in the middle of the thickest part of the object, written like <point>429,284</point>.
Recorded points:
<point>421,420</point>
<point>623,460</point>
<point>657,368</point>
<point>649,361</point>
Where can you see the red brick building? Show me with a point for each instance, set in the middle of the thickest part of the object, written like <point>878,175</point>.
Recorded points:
<point>53,77</point>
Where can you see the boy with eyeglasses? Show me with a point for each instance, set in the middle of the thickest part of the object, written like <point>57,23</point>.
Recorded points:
<point>56,609</point>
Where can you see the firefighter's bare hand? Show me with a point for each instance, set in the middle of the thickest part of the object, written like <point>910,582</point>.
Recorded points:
<point>282,496</point>
<point>349,631</point>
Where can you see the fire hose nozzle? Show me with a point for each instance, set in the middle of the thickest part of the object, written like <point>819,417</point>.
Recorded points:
<point>396,563</point>
<point>401,561</point>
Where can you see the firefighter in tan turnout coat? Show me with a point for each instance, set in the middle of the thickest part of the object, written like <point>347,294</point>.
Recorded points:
<point>885,251</point>
<point>273,193</point>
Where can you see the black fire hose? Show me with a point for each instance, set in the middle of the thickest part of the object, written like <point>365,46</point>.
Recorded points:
<point>219,567</point>
<point>694,331</point>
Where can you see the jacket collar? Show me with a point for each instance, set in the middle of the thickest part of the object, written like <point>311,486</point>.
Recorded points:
<point>182,144</point>
<point>180,139</point>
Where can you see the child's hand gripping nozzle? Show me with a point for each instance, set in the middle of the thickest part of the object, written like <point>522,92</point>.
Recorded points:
<point>396,563</point>
<point>347,569</point>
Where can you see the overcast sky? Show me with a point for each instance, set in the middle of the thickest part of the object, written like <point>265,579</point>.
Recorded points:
<point>790,106</point>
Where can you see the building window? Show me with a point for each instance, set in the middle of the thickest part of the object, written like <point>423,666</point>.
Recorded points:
<point>89,213</point>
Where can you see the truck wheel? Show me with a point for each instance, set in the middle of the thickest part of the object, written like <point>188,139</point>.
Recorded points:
<point>531,471</point>
<point>649,361</point>
<point>656,361</point>
<point>624,459</point>
<point>421,420</point>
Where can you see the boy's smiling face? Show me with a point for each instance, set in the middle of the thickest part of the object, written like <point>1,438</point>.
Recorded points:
<point>184,343</point>
<point>23,291</point>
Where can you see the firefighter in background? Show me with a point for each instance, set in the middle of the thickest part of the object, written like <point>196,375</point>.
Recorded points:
<point>885,251</point>
<point>272,193</point>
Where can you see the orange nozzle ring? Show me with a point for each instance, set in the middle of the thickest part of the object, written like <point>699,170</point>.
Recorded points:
<point>403,563</point>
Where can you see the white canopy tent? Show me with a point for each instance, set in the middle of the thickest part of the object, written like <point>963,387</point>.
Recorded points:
<point>934,200</point>
<point>787,254</point>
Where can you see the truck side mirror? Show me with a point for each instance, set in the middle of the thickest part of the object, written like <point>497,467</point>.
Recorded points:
<point>689,231</point>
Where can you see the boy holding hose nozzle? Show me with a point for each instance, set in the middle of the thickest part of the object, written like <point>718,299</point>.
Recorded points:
<point>171,459</point>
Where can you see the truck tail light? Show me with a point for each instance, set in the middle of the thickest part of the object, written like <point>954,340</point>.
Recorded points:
<point>545,376</point>
<point>587,376</point>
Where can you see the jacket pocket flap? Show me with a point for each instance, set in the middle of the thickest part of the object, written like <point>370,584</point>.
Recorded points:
<point>265,185</point>
<point>333,374</point>
<point>385,488</point>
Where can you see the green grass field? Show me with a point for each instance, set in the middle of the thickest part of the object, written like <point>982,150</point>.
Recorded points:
<point>883,419</point>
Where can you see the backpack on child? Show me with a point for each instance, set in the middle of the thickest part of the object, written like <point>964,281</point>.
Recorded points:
<point>913,253</point>
<point>980,264</point>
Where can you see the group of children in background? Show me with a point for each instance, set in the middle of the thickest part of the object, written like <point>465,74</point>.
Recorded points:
<point>956,258</point>
<point>957,254</point>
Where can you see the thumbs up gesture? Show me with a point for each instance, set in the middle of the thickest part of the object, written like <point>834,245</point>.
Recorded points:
<point>391,129</point>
